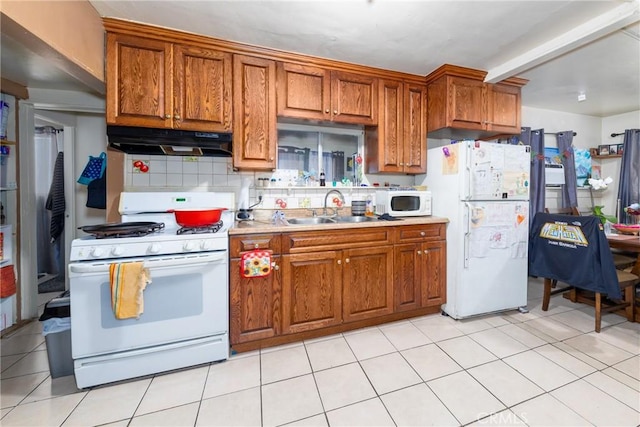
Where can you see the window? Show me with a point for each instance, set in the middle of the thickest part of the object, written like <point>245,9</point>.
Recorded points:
<point>315,148</point>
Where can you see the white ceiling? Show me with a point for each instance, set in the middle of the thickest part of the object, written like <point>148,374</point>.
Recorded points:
<point>563,47</point>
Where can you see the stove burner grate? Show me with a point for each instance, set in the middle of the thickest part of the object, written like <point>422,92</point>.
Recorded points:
<point>212,228</point>
<point>124,229</point>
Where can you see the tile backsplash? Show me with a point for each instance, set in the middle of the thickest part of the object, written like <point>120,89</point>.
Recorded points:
<point>175,173</point>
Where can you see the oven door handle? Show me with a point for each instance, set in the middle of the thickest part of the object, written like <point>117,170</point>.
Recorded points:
<point>182,261</point>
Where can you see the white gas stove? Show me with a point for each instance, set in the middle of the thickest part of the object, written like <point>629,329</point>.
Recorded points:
<point>185,320</point>
<point>147,209</point>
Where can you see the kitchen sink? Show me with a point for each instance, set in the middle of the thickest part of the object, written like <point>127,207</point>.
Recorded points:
<point>355,219</point>
<point>336,219</point>
<point>311,221</point>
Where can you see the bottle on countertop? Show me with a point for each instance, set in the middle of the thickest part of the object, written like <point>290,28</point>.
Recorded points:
<point>322,179</point>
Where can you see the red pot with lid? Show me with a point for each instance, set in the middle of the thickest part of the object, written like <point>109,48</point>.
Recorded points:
<point>197,217</point>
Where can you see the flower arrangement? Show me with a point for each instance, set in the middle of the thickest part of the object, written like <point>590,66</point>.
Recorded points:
<point>633,209</point>
<point>601,184</point>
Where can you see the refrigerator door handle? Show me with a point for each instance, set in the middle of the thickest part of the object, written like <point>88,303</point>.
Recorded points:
<point>467,233</point>
<point>467,191</point>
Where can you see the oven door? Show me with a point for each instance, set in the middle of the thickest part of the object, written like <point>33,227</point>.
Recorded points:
<point>186,299</point>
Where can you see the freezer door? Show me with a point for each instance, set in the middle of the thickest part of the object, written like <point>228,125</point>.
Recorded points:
<point>497,171</point>
<point>491,271</point>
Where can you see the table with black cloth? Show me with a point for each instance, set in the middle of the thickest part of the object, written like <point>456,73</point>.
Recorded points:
<point>572,250</point>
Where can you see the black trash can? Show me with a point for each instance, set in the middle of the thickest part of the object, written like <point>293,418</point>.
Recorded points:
<point>56,328</point>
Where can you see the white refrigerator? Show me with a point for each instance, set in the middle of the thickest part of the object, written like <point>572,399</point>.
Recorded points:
<point>483,189</point>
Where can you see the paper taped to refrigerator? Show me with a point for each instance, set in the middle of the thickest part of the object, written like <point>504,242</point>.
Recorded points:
<point>498,227</point>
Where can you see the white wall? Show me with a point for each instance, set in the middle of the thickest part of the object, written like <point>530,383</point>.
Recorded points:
<point>91,140</point>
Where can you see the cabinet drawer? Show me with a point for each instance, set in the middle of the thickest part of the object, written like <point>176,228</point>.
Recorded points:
<point>420,233</point>
<point>241,244</point>
<point>315,241</point>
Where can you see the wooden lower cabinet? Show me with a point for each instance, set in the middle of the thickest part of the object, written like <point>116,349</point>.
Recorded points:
<point>367,283</point>
<point>314,290</point>
<point>420,262</point>
<point>312,286</point>
<point>255,305</point>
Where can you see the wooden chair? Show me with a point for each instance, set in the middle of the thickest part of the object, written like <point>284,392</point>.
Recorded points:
<point>602,304</point>
<point>564,211</point>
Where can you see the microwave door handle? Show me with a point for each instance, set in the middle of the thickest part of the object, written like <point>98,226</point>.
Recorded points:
<point>155,264</point>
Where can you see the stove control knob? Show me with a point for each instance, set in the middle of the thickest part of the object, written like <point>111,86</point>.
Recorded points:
<point>154,248</point>
<point>117,251</point>
<point>206,245</point>
<point>97,252</point>
<point>189,246</point>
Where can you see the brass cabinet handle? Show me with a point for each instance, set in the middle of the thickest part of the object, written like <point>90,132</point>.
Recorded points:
<point>271,159</point>
<point>401,164</point>
<point>339,261</point>
<point>276,267</point>
<point>256,246</point>
<point>326,111</point>
<point>408,164</point>
<point>347,260</point>
<point>422,233</point>
<point>419,252</point>
<point>335,111</point>
<point>167,116</point>
<point>177,117</point>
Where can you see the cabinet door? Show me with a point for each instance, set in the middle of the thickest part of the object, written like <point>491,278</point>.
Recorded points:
<point>202,89</point>
<point>303,91</point>
<point>254,109</point>
<point>384,143</point>
<point>503,108</point>
<point>434,273</point>
<point>467,106</point>
<point>255,305</point>
<point>367,283</point>
<point>407,280</point>
<point>138,81</point>
<point>354,98</point>
<point>415,129</point>
<point>311,285</point>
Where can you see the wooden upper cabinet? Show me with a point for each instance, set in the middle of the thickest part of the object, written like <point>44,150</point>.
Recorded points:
<point>152,83</point>
<point>315,93</point>
<point>503,103</point>
<point>254,109</point>
<point>138,81</point>
<point>202,89</point>
<point>415,129</point>
<point>458,98</point>
<point>303,91</point>
<point>467,103</point>
<point>354,98</point>
<point>399,142</point>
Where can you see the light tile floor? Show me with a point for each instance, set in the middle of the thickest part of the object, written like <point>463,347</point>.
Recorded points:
<point>536,369</point>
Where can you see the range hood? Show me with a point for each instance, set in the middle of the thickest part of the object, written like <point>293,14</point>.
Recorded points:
<point>171,142</point>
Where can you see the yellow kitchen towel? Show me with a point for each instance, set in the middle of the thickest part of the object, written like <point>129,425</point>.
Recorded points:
<point>128,280</point>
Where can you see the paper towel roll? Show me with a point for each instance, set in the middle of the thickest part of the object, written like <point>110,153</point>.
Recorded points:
<point>243,200</point>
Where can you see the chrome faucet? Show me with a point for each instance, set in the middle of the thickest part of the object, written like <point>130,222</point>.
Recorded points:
<point>335,210</point>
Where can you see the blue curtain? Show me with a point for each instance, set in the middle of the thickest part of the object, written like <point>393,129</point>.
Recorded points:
<point>569,189</point>
<point>629,187</point>
<point>536,178</point>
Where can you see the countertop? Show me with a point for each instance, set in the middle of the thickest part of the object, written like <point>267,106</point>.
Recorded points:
<point>267,226</point>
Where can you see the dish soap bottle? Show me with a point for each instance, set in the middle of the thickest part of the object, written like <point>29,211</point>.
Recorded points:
<point>322,179</point>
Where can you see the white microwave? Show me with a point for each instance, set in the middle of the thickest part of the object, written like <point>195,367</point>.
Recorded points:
<point>403,202</point>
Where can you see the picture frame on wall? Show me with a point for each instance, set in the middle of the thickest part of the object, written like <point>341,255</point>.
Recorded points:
<point>620,149</point>
<point>613,149</point>
<point>603,150</point>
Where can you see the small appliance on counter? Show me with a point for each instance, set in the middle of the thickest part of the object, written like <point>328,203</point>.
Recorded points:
<point>403,201</point>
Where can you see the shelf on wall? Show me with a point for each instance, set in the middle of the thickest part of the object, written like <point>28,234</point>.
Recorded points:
<point>608,156</point>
